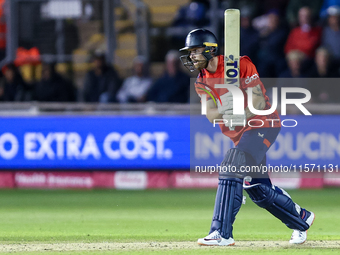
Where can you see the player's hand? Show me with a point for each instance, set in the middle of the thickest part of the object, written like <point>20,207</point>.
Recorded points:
<point>233,121</point>
<point>227,103</point>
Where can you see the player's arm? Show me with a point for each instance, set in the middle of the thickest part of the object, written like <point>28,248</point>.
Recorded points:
<point>259,102</point>
<point>212,111</point>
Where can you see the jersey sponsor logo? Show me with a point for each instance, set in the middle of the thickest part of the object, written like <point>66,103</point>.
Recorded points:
<point>251,78</point>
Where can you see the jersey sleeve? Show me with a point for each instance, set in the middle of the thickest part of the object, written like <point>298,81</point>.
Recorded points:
<point>200,88</point>
<point>248,73</point>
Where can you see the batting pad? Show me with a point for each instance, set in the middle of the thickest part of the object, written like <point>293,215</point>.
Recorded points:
<point>279,205</point>
<point>227,204</point>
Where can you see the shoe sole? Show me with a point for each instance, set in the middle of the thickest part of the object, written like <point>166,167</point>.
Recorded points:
<point>306,230</point>
<point>202,244</point>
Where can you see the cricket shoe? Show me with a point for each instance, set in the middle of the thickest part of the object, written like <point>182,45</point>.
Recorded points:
<point>215,239</point>
<point>299,237</point>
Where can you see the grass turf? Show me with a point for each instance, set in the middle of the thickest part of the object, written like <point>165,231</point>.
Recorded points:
<point>218,251</point>
<point>50,216</point>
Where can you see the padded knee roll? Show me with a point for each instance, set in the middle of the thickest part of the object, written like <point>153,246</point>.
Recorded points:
<point>232,163</point>
<point>227,204</point>
<point>278,204</point>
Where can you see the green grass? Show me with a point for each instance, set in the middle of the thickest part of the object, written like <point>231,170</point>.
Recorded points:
<point>50,216</point>
<point>209,251</point>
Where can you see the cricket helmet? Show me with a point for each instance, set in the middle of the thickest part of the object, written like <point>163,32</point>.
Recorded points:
<point>198,38</point>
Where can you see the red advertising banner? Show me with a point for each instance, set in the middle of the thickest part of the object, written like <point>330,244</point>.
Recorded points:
<point>146,180</point>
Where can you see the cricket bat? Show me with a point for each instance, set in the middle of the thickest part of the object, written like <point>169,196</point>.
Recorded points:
<point>232,48</point>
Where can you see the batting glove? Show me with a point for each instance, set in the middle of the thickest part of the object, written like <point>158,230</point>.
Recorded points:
<point>233,121</point>
<point>227,103</point>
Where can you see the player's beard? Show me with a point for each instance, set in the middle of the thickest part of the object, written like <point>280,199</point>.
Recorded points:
<point>200,64</point>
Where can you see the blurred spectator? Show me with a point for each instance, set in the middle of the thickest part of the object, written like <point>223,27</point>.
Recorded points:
<point>3,30</point>
<point>324,66</point>
<point>102,83</point>
<point>249,37</point>
<point>135,87</point>
<point>324,91</point>
<point>173,86</point>
<point>294,7</point>
<point>14,87</point>
<point>251,6</point>
<point>268,5</point>
<point>192,14</point>
<point>295,59</point>
<point>326,4</point>
<point>271,47</point>
<point>53,87</point>
<point>306,37</point>
<point>331,33</point>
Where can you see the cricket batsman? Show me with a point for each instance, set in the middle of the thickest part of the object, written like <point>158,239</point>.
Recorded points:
<point>251,143</point>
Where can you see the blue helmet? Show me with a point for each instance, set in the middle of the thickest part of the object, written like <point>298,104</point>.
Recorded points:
<point>198,38</point>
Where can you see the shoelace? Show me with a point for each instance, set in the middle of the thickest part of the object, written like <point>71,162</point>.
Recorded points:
<point>296,233</point>
<point>214,235</point>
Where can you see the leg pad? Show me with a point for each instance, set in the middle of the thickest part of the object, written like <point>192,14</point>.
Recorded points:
<point>278,204</point>
<point>234,158</point>
<point>227,204</point>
